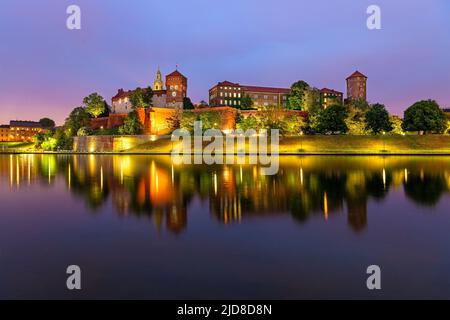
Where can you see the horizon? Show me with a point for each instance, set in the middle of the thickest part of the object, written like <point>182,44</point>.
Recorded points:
<point>50,68</point>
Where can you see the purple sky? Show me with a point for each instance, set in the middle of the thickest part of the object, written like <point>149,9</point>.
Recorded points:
<point>47,69</point>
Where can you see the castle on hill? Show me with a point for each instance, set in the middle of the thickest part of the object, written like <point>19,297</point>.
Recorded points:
<point>168,95</point>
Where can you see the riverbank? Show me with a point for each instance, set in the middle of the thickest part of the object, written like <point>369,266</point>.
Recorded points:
<point>299,145</point>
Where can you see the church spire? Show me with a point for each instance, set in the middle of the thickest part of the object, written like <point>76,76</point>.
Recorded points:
<point>158,84</point>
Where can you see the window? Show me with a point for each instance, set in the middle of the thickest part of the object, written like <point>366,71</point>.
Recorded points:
<point>265,97</point>
<point>239,95</point>
<point>221,101</point>
<point>234,94</point>
<point>221,94</point>
<point>255,96</point>
<point>275,98</point>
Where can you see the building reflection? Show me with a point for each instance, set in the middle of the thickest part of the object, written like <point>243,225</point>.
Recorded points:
<point>305,188</point>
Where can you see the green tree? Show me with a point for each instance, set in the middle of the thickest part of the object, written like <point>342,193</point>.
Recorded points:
<point>271,117</point>
<point>84,131</point>
<point>47,123</point>
<point>77,118</point>
<point>187,119</point>
<point>397,123</point>
<point>356,113</point>
<point>292,124</point>
<point>141,98</point>
<point>187,104</point>
<point>424,116</point>
<point>297,98</point>
<point>377,119</point>
<point>249,122</point>
<point>210,120</point>
<point>95,104</point>
<point>332,120</point>
<point>246,102</point>
<point>132,125</point>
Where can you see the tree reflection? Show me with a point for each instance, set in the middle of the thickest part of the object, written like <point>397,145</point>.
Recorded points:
<point>306,188</point>
<point>426,188</point>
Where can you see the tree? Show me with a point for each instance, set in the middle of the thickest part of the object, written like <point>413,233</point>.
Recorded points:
<point>141,98</point>
<point>84,131</point>
<point>397,123</point>
<point>356,113</point>
<point>132,125</point>
<point>332,120</point>
<point>377,119</point>
<point>47,123</point>
<point>298,96</point>
<point>95,104</point>
<point>271,117</point>
<point>246,102</point>
<point>187,120</point>
<point>77,118</point>
<point>245,123</point>
<point>187,104</point>
<point>292,124</point>
<point>210,120</point>
<point>424,116</point>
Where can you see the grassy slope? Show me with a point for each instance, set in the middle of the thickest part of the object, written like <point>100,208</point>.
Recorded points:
<point>16,146</point>
<point>409,144</point>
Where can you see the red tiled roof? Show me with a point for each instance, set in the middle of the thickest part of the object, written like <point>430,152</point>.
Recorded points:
<point>122,94</point>
<point>31,124</point>
<point>228,83</point>
<point>266,89</point>
<point>356,74</point>
<point>175,73</point>
<point>326,90</point>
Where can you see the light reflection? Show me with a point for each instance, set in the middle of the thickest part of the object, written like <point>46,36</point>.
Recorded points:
<point>156,187</point>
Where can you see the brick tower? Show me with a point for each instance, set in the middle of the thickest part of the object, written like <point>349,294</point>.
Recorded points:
<point>357,86</point>
<point>176,87</point>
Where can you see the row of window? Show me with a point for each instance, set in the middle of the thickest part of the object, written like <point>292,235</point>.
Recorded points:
<point>25,129</point>
<point>231,95</point>
<point>230,88</point>
<point>275,98</point>
<point>231,102</point>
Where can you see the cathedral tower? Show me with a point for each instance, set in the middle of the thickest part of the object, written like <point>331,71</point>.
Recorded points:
<point>158,84</point>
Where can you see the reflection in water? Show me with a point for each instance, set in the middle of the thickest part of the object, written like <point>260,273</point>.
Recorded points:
<point>154,188</point>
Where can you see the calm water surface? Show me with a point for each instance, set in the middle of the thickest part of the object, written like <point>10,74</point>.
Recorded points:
<point>140,227</point>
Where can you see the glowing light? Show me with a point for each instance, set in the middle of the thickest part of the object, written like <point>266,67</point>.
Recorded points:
<point>69,177</point>
<point>406,175</point>
<point>17,172</point>
<point>325,206</point>
<point>384,178</point>
<point>153,138</point>
<point>301,176</point>
<point>11,170</point>
<point>121,171</point>
<point>101,178</point>
<point>215,183</point>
